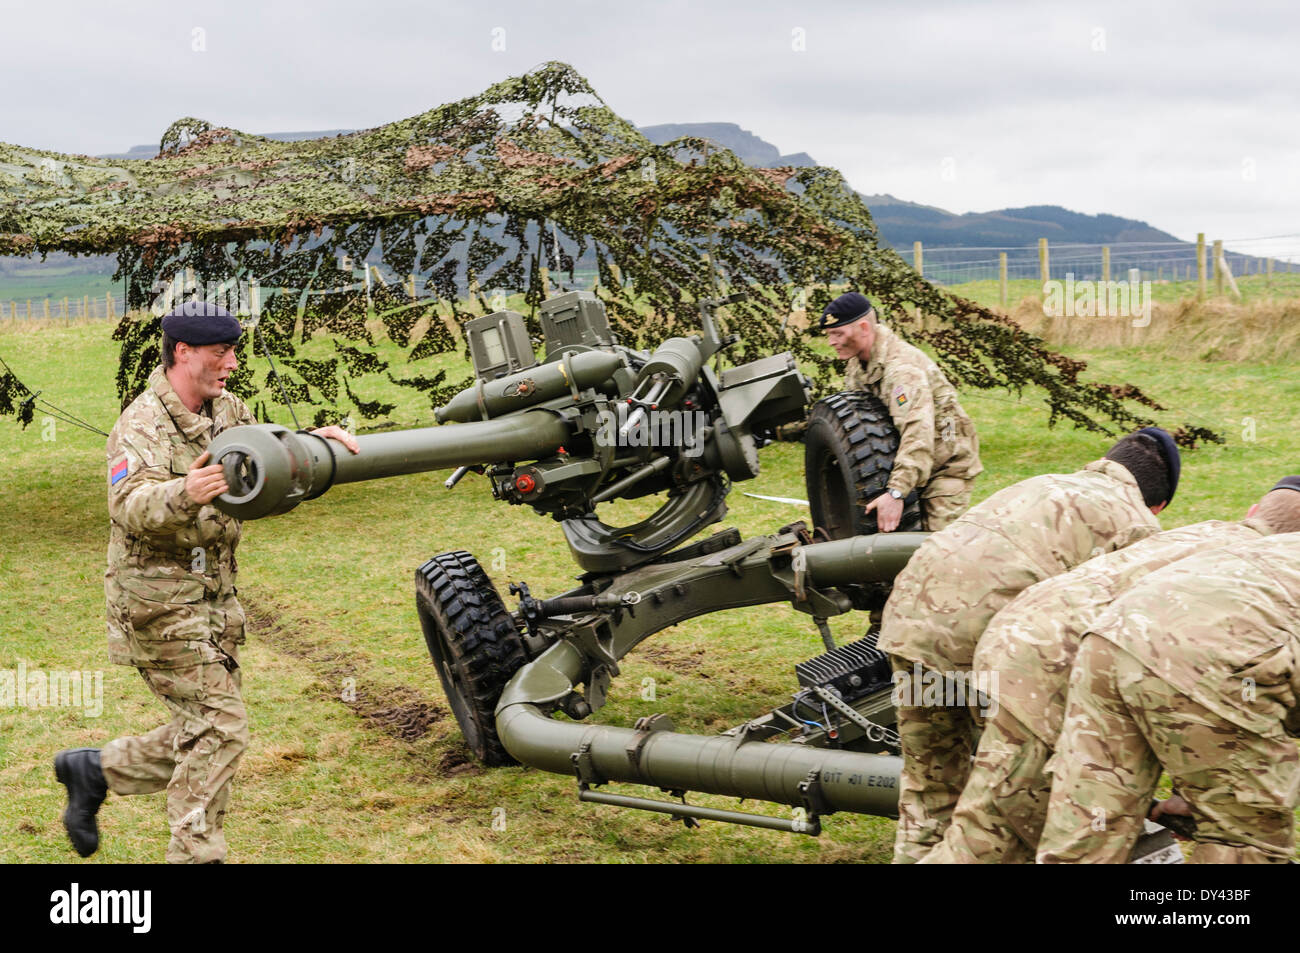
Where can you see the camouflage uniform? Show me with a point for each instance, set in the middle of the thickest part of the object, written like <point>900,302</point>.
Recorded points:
<point>953,586</point>
<point>173,614</point>
<point>938,449</point>
<point>1031,645</point>
<point>1196,669</point>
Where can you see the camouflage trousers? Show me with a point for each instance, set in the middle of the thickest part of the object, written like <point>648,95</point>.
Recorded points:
<point>1122,724</point>
<point>193,757</point>
<point>1000,815</point>
<point>942,501</point>
<point>937,742</point>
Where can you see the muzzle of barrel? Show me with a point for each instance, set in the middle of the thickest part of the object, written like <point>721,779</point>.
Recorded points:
<point>269,470</point>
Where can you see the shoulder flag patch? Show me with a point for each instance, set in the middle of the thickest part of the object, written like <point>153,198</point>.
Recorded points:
<point>116,473</point>
<point>900,395</point>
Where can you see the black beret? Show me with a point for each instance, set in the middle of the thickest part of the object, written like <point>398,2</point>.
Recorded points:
<point>845,309</point>
<point>1168,450</point>
<point>198,322</point>
<point>1288,483</point>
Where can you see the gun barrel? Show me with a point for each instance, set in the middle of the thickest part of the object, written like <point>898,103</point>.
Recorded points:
<point>271,469</point>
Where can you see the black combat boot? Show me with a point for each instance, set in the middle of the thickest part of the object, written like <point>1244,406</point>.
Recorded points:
<point>78,770</point>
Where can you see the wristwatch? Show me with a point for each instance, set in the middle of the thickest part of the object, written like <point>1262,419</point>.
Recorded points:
<point>896,494</point>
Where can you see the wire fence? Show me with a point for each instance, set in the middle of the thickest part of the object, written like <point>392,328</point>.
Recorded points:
<point>1152,261</point>
<point>65,308</point>
<point>943,265</point>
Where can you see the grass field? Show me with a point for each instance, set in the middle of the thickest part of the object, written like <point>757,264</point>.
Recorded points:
<point>385,776</point>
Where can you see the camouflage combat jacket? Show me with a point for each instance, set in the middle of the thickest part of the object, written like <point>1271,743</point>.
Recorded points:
<point>170,583</point>
<point>1223,628</point>
<point>1031,644</point>
<point>935,436</point>
<point>961,576</point>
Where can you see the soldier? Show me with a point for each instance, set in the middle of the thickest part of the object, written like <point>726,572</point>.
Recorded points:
<point>938,449</point>
<point>170,587</point>
<point>1029,648</point>
<point>1196,670</point>
<point>960,577</point>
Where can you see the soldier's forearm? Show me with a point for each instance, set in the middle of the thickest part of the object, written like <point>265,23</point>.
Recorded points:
<point>901,482</point>
<point>911,469</point>
<point>914,459</point>
<point>155,509</point>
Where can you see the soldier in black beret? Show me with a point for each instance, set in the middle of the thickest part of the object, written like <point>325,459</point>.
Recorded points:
<point>205,336</point>
<point>173,613</point>
<point>938,450</point>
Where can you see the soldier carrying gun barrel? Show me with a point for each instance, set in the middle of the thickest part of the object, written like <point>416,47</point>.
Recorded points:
<point>170,587</point>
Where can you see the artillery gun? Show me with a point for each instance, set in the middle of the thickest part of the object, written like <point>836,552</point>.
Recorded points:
<point>594,421</point>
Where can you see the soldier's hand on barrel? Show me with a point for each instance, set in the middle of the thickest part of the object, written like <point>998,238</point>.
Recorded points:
<point>203,484</point>
<point>339,434</point>
<point>889,512</point>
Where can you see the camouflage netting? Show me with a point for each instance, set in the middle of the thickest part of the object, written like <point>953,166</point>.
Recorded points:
<point>532,187</point>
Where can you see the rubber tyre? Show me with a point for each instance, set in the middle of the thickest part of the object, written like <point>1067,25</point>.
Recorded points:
<point>848,455</point>
<point>474,644</point>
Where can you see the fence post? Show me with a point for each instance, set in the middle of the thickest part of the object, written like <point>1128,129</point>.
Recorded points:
<point>916,258</point>
<point>108,304</point>
<point>1218,268</point>
<point>1268,273</point>
<point>1105,263</point>
<point>1042,259</point>
<point>1200,264</point>
<point>47,309</point>
<point>1002,275</point>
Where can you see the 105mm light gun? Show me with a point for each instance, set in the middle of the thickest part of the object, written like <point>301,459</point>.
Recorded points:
<point>594,421</point>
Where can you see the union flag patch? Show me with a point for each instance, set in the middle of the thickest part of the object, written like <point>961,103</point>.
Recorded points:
<point>116,473</point>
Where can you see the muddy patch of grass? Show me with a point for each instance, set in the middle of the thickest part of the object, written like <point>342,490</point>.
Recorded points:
<point>397,710</point>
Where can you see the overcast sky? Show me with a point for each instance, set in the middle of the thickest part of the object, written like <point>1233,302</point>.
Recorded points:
<point>1182,115</point>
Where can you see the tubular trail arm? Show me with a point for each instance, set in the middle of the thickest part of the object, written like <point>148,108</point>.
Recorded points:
<point>765,569</point>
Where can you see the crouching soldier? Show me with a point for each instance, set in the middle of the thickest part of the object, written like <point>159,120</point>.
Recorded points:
<point>1028,650</point>
<point>1196,670</point>
<point>960,577</point>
